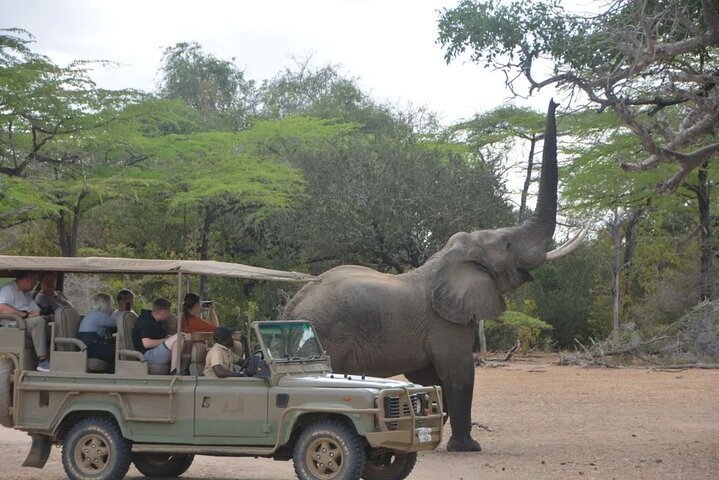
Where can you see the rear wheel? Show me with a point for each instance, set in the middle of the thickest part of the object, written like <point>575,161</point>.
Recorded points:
<point>162,464</point>
<point>94,449</point>
<point>329,450</point>
<point>389,465</point>
<point>6,370</point>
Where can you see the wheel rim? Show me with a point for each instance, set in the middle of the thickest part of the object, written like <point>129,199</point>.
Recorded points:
<point>324,458</point>
<point>92,453</point>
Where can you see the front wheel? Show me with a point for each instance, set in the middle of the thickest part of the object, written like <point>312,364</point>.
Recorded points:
<point>162,464</point>
<point>389,465</point>
<point>329,450</point>
<point>94,449</point>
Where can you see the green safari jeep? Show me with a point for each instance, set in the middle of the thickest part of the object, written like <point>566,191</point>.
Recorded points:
<point>290,406</point>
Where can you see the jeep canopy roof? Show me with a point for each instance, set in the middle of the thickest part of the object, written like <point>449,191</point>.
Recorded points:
<point>11,264</point>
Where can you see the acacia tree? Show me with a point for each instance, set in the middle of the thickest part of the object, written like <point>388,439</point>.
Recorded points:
<point>51,118</point>
<point>653,63</point>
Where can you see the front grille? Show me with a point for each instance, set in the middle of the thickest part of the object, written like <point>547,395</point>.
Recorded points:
<point>393,408</point>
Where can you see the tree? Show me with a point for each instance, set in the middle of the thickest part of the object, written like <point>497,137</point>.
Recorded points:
<point>52,118</point>
<point>391,203</point>
<point>310,91</point>
<point>654,63</point>
<point>216,88</point>
<point>497,130</point>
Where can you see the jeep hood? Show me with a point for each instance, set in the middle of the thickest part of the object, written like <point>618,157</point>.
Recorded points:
<point>340,381</point>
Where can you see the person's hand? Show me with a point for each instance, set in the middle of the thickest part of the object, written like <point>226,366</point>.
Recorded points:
<point>186,336</point>
<point>212,307</point>
<point>33,313</point>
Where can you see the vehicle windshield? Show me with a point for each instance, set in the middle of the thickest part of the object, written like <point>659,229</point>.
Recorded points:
<point>290,341</point>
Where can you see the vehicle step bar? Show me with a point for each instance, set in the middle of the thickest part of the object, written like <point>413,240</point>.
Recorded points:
<point>201,449</point>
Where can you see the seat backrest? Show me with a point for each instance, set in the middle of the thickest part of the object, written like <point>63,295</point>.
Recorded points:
<point>67,323</point>
<point>198,358</point>
<point>237,348</point>
<point>125,326</point>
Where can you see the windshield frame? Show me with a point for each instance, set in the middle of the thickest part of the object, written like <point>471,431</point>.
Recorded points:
<point>266,349</point>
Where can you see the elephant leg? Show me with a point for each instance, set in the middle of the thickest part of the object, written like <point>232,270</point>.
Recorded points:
<point>428,376</point>
<point>457,376</point>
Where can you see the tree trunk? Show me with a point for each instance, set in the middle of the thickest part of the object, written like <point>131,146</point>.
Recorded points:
<point>205,248</point>
<point>482,339</point>
<point>68,228</point>
<point>706,289</point>
<point>617,236</point>
<point>527,181</point>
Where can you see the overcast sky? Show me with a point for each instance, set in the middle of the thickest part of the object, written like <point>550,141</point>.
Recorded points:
<point>388,45</point>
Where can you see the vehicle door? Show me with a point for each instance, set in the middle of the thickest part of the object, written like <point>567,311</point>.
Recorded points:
<point>230,410</point>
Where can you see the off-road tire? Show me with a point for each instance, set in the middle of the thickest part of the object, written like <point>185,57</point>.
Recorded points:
<point>162,464</point>
<point>322,442</point>
<point>96,441</point>
<point>399,468</point>
<point>7,367</point>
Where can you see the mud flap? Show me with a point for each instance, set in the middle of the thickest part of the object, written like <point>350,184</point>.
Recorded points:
<point>39,451</point>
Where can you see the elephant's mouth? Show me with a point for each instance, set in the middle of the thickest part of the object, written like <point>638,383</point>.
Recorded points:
<point>485,269</point>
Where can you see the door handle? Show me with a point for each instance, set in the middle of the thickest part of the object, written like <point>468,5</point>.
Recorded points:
<point>206,402</point>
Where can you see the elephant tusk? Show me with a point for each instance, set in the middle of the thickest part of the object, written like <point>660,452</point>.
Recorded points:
<point>568,247</point>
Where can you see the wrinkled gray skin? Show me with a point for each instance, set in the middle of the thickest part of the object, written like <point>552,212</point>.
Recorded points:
<point>422,323</point>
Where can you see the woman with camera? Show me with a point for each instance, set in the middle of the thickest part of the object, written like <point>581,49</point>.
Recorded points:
<point>192,320</point>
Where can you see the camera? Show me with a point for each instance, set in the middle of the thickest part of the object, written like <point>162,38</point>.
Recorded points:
<point>205,303</point>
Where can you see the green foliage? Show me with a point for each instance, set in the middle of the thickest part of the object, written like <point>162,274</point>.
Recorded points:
<point>562,291</point>
<point>512,326</point>
<point>216,88</point>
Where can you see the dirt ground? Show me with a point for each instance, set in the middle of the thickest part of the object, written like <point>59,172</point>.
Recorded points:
<point>547,422</point>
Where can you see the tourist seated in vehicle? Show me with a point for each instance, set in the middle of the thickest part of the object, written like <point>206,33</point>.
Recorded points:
<point>49,298</point>
<point>150,337</point>
<point>16,299</point>
<point>96,330</point>
<point>192,320</point>
<point>125,303</point>
<point>221,361</point>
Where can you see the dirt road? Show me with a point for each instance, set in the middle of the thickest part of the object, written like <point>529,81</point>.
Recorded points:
<point>548,422</point>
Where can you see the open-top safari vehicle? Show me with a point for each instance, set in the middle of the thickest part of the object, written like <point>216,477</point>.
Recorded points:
<point>292,406</point>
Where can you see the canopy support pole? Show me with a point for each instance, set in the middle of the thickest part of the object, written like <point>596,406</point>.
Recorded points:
<point>180,346</point>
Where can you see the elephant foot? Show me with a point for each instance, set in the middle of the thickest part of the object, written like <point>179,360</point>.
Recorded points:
<point>463,444</point>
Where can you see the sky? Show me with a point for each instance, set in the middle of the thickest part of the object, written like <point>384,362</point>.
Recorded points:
<point>389,46</point>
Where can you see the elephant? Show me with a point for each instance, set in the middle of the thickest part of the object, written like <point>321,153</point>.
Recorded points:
<point>422,323</point>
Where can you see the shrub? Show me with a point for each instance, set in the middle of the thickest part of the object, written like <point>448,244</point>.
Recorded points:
<point>503,333</point>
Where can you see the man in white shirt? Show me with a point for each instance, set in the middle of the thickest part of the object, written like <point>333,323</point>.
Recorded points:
<point>16,299</point>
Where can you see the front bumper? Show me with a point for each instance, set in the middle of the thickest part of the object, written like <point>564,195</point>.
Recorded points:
<point>409,419</point>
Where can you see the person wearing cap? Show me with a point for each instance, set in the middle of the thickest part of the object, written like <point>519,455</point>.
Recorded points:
<point>221,360</point>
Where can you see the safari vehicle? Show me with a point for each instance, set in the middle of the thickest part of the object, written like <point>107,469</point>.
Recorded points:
<point>290,406</point>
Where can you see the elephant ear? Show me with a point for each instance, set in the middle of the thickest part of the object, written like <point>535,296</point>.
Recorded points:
<point>462,291</point>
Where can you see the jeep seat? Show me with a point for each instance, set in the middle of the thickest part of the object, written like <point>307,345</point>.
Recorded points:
<point>68,353</point>
<point>128,360</point>
<point>198,358</point>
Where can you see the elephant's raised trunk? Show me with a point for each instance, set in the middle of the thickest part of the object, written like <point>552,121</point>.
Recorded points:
<point>539,229</point>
